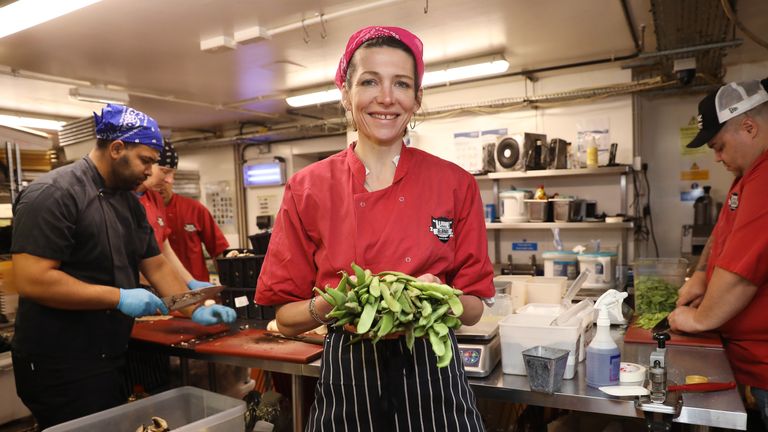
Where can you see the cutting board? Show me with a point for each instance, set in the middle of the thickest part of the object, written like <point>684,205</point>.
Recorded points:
<point>261,344</point>
<point>174,330</point>
<point>640,335</point>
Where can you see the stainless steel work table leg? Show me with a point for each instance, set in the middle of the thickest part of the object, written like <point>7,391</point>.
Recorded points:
<point>297,402</point>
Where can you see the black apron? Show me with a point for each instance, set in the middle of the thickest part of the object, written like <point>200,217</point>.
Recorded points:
<point>387,388</point>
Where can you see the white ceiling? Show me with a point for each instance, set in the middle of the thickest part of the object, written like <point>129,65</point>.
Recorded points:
<point>153,47</point>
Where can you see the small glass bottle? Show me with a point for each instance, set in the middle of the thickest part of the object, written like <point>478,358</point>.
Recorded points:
<point>540,193</point>
<point>657,375</point>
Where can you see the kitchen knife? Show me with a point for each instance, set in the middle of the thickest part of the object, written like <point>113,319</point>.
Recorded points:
<point>661,327</point>
<point>189,298</point>
<point>703,387</point>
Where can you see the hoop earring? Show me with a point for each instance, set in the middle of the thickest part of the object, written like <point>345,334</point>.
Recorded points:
<point>412,123</point>
<point>351,120</point>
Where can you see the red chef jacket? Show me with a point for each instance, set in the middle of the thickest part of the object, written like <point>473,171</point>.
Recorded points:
<point>740,245</point>
<point>430,220</point>
<point>192,226</point>
<point>155,208</point>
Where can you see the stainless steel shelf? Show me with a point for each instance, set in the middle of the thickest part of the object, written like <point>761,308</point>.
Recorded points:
<point>566,225</point>
<point>615,170</point>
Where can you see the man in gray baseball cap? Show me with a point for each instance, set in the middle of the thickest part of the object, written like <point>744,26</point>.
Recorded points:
<point>729,290</point>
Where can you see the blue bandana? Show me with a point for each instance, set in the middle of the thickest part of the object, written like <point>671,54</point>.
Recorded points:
<point>118,122</point>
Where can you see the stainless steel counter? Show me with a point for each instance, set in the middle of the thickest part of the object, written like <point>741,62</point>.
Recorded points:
<point>722,409</point>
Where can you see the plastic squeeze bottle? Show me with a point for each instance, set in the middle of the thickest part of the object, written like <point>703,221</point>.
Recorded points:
<point>603,355</point>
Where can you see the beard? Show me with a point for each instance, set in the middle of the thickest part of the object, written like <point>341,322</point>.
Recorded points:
<point>124,178</point>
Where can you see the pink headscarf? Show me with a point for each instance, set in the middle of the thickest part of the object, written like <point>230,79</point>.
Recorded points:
<point>365,34</point>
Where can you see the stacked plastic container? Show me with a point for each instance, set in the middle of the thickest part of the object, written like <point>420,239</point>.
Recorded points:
<point>186,409</point>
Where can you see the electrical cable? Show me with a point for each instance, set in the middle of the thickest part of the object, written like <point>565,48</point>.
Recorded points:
<point>731,16</point>
<point>650,213</point>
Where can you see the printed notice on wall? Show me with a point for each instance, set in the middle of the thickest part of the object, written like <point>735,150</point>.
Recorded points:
<point>266,205</point>
<point>695,164</point>
<point>220,201</point>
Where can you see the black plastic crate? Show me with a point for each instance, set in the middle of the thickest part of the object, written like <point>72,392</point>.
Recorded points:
<point>251,311</point>
<point>240,271</point>
<point>260,242</point>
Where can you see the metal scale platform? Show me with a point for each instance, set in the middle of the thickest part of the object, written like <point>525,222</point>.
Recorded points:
<point>480,348</point>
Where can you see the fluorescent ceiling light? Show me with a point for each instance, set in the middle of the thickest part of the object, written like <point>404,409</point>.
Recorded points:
<point>98,95</point>
<point>24,14</point>
<point>30,122</point>
<point>474,68</point>
<point>465,71</point>
<point>314,98</point>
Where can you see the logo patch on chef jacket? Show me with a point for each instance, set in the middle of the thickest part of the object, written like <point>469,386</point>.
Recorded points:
<point>733,201</point>
<point>160,221</point>
<point>442,228</point>
<point>189,228</point>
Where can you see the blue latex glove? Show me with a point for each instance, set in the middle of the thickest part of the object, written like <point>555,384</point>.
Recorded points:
<point>214,314</point>
<point>196,284</point>
<point>136,302</point>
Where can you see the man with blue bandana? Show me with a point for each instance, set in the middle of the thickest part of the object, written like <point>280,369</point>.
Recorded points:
<point>80,238</point>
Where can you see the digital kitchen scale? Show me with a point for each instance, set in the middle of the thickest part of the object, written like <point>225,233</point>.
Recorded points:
<point>480,348</point>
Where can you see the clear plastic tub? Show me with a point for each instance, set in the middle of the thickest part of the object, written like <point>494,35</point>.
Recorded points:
<point>656,283</point>
<point>186,409</point>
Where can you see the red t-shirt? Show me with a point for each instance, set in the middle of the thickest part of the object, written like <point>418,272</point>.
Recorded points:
<point>430,220</point>
<point>155,208</point>
<point>740,245</point>
<point>192,226</point>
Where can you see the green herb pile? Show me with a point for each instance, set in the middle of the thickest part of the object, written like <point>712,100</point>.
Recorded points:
<point>654,299</point>
<point>392,302</point>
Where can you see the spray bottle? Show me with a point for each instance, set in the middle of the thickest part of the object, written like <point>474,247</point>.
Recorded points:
<point>603,355</point>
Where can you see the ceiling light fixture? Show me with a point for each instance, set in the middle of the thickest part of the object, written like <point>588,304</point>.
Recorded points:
<point>450,73</point>
<point>24,14</point>
<point>314,98</point>
<point>30,122</point>
<point>466,70</point>
<point>98,95</point>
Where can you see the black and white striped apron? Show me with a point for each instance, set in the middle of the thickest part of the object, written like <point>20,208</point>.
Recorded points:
<point>385,387</point>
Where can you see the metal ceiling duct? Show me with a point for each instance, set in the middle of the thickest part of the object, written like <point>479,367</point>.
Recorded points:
<point>680,24</point>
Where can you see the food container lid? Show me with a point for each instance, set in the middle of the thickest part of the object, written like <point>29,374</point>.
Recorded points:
<point>597,254</point>
<point>512,193</point>
<point>554,254</point>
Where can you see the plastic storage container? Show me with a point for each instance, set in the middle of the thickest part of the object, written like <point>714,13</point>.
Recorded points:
<point>561,209</point>
<point>541,289</point>
<point>538,210</point>
<point>249,311</point>
<point>561,263</point>
<point>656,281</point>
<point>602,267</point>
<point>240,271</point>
<point>186,409</point>
<point>519,332</point>
<point>517,290</point>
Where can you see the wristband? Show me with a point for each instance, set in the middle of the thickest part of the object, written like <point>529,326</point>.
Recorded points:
<point>315,315</point>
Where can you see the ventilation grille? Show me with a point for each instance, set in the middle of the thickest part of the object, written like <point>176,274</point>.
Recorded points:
<point>77,131</point>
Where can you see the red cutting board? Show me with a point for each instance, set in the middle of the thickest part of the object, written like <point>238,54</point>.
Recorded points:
<point>261,344</point>
<point>640,335</point>
<point>172,331</point>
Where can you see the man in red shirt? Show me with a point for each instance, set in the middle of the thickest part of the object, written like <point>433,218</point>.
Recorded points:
<point>729,290</point>
<point>149,196</point>
<point>191,226</point>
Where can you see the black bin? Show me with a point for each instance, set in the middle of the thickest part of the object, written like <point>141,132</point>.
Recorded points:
<point>260,242</point>
<point>251,311</point>
<point>240,271</point>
